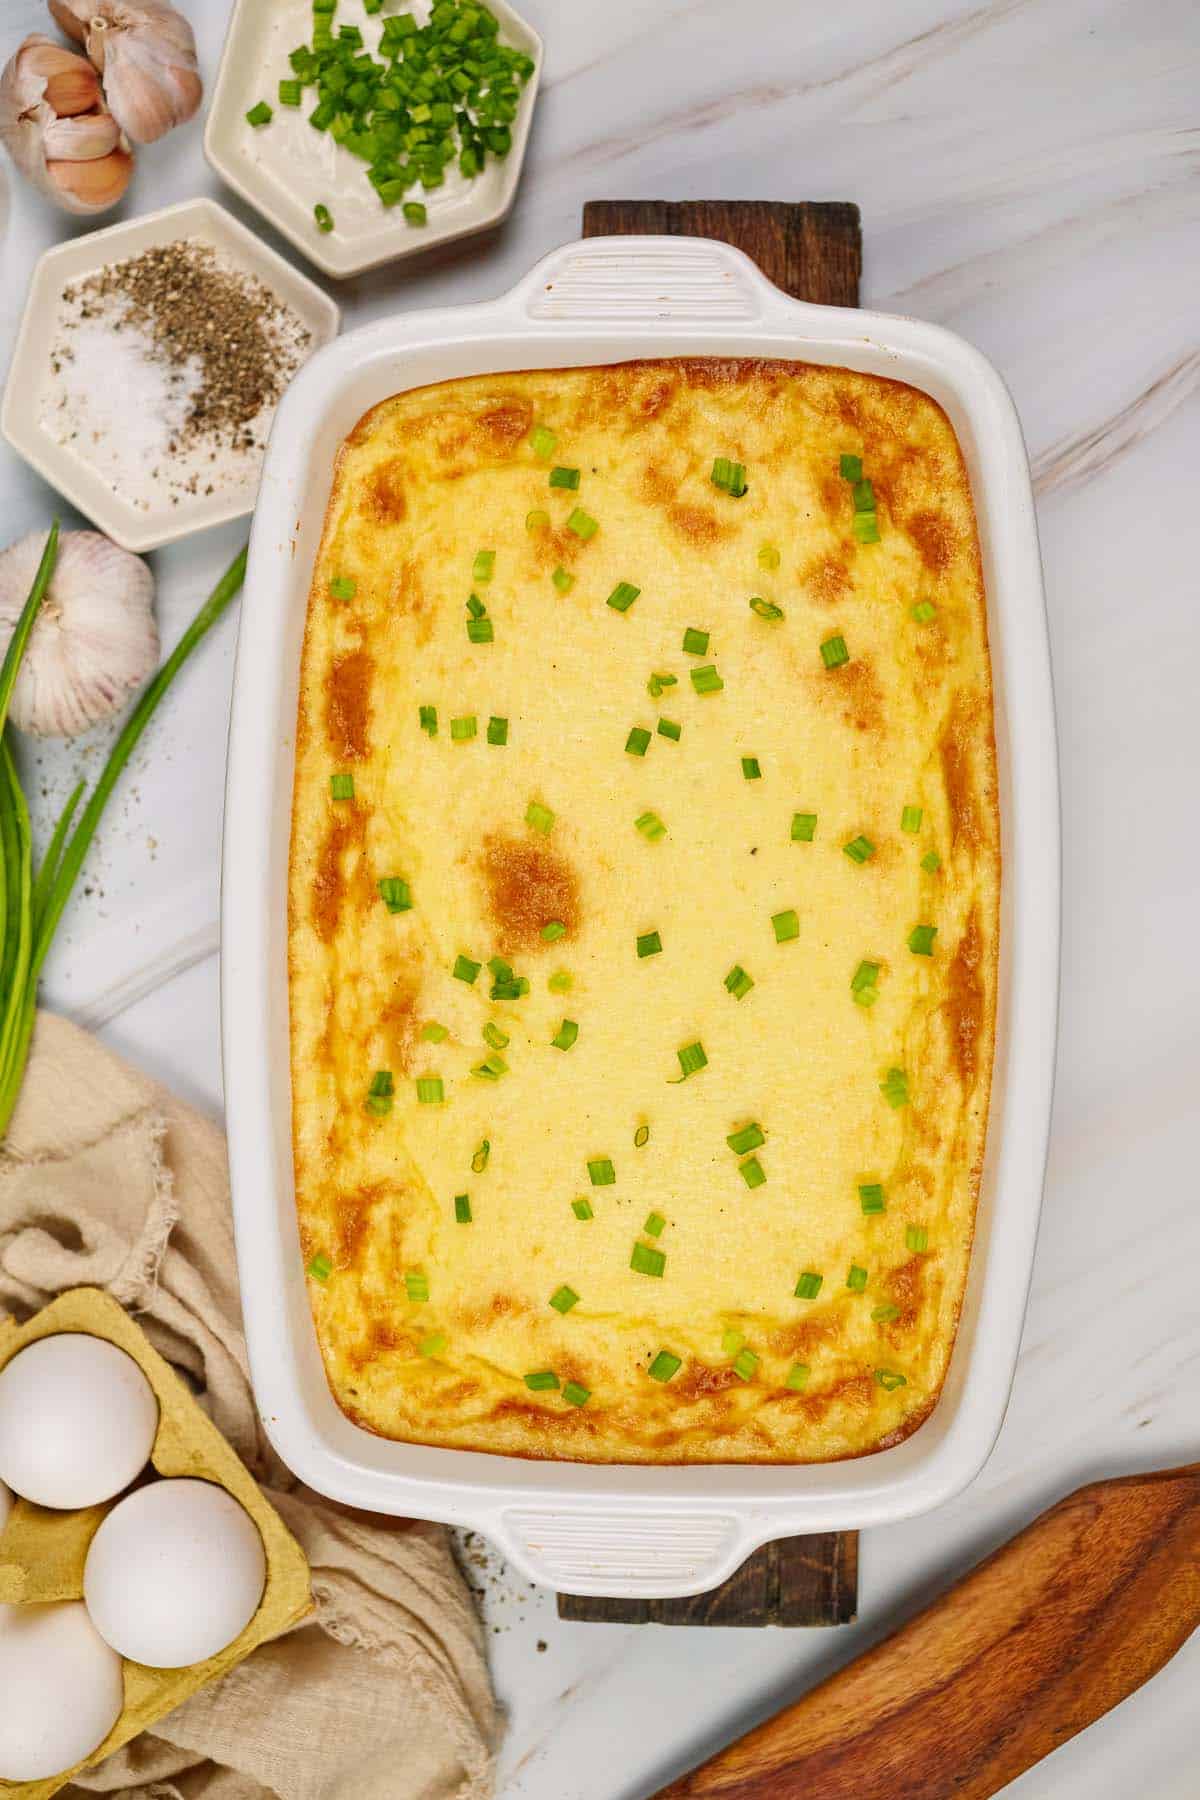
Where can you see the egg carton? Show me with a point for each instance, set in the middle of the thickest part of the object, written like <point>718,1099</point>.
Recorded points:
<point>42,1552</point>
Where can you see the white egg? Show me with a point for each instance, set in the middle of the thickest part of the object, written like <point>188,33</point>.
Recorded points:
<point>77,1421</point>
<point>61,1689</point>
<point>174,1574</point>
<point>6,1505</point>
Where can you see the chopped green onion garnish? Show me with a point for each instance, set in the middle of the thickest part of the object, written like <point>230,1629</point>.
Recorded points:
<point>748,1137</point>
<point>541,1380</point>
<point>924,611</point>
<point>575,1395</point>
<point>464,969</point>
<point>732,1340</point>
<point>871,1197</point>
<point>655,1225</point>
<point>320,1268</point>
<point>543,441</point>
<point>920,939</point>
<point>670,728</point>
<point>552,930</point>
<point>563,1299</point>
<point>566,1034</point>
<point>664,1366</point>
<point>623,596</point>
<point>582,524</point>
<point>916,1238</point>
<point>856,1280</point>
<point>601,1171</point>
<point>343,587</point>
<point>804,827</point>
<point>560,982</point>
<point>494,1038</point>
<point>641,1137</point>
<point>850,468</point>
<point>766,609</point>
<point>497,731</point>
<point>834,652</point>
<point>890,1379</point>
<point>864,983</point>
<point>479,1161</point>
<point>341,787</point>
<point>691,1059</point>
<point>910,819</point>
<point>809,1285</point>
<point>695,642</point>
<point>797,1377</point>
<point>865,528</point>
<point>414,212</point>
<point>462,1209</point>
<point>729,476</point>
<point>430,1090</point>
<point>461,730</point>
<point>428,718</point>
<point>931,862</point>
<point>646,1260</point>
<point>768,556</point>
<point>563,581</point>
<point>751,768</point>
<point>650,826</point>
<point>433,1345</point>
<point>706,680</point>
<point>261,114</point>
<point>396,894</point>
<point>564,478</point>
<point>658,683</point>
<point>433,1033</point>
<point>537,520</point>
<point>894,1088</point>
<point>752,1172</point>
<point>864,497</point>
<point>290,93</point>
<point>859,849</point>
<point>884,1314</point>
<point>416,1285</point>
<point>738,982</point>
<point>481,631</point>
<point>484,566</point>
<point>582,1209</point>
<point>786,926</point>
<point>745,1364</point>
<point>539,816</point>
<point>638,741</point>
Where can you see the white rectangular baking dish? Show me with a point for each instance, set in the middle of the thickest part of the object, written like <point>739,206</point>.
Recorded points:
<point>626,1530</point>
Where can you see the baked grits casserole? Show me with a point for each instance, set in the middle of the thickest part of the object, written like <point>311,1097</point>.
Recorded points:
<point>643,913</point>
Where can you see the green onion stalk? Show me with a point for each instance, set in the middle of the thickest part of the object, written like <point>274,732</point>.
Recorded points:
<point>31,904</point>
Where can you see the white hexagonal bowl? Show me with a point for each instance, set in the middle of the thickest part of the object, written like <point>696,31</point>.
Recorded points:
<point>286,168</point>
<point>63,467</point>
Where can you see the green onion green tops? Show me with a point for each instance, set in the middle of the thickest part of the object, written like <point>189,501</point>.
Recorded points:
<point>871,1197</point>
<point>751,768</point>
<point>797,1377</point>
<point>850,468</point>
<point>768,556</point>
<point>559,982</point>
<point>920,939</point>
<point>638,741</point>
<point>859,849</point>
<point>894,1088</point>
<point>670,728</point>
<point>494,1038</point>
<point>747,1137</point>
<point>479,1161</point>
<point>655,1225</point>
<point>658,684</point>
<point>341,787</point>
<point>566,1034</point>
<point>866,527</point>
<point>641,1137</point>
<point>786,926</point>
<point>931,862</point>
<point>916,1238</point>
<point>543,442</point>
<point>582,524</point>
<point>562,580</point>
<point>731,1341</point>
<point>695,642</point>
<point>563,1299</point>
<point>462,1209</point>
<point>320,1268</point>
<point>537,519</point>
<point>601,1171</point>
<point>428,719</point>
<point>575,1395</point>
<point>864,984</point>
<point>430,1090</point>
<point>582,1209</point>
<point>260,114</point>
<point>738,982</point>
<point>541,1380</point>
<point>484,566</point>
<point>416,1286</point>
<point>290,93</point>
<point>752,1172</point>
<point>380,1092</point>
<point>464,969</point>
<point>924,611</point>
<point>539,816</point>
<point>890,1379</point>
<point>552,930</point>
<point>650,826</point>
<point>646,1260</point>
<point>623,596</point>
<point>885,1313</point>
<point>745,1365</point>
<point>323,217</point>
<point>414,213</point>
<point>910,819</point>
<point>834,652</point>
<point>433,1033</point>
<point>856,1280</point>
<point>804,826</point>
<point>395,893</point>
<point>729,476</point>
<point>433,1345</point>
<point>706,680</point>
<point>479,627</point>
<point>343,587</point>
<point>462,730</point>
<point>766,609</point>
<point>564,478</point>
<point>497,731</point>
<point>665,1366</point>
<point>809,1285</point>
<point>691,1059</point>
<point>649,944</point>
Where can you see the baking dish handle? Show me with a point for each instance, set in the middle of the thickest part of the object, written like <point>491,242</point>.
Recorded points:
<point>634,1554</point>
<point>661,279</point>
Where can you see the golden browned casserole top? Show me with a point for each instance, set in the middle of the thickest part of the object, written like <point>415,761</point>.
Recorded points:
<point>643,912</point>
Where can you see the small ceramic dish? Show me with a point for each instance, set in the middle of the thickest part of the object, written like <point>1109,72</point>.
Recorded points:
<point>28,423</point>
<point>285,168</point>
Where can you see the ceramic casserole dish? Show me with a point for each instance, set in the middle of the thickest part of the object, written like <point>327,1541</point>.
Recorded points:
<point>614,1529</point>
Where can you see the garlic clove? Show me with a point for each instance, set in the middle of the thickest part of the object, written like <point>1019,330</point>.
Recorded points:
<point>94,639</point>
<point>91,186</point>
<point>71,83</point>
<point>81,139</point>
<point>146,54</point>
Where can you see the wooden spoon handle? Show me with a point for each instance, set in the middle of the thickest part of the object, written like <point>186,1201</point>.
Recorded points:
<point>1045,1636</point>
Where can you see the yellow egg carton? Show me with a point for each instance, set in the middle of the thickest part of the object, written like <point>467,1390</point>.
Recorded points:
<point>42,1552</point>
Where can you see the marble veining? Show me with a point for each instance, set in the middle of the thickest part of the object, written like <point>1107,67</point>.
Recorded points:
<point>1029,175</point>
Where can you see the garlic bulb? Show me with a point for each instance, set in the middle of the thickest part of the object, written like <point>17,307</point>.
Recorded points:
<point>146,54</point>
<point>94,639</point>
<point>56,128</point>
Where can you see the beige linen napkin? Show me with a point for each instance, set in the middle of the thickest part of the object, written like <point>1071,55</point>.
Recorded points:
<point>106,1180</point>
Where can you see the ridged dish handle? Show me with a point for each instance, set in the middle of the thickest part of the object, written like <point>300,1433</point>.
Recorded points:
<point>666,279</point>
<point>642,1555</point>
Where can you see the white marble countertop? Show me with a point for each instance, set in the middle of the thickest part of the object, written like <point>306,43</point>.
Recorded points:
<point>1029,174</point>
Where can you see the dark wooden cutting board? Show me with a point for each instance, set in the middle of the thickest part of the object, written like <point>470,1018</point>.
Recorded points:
<point>814,251</point>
